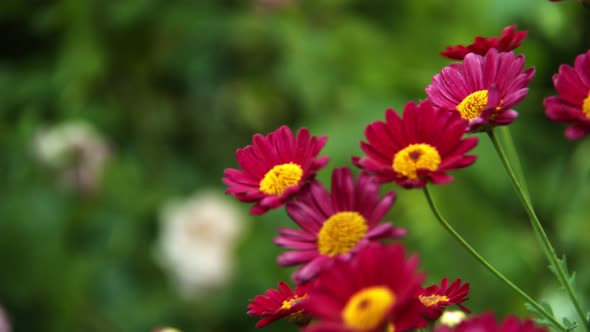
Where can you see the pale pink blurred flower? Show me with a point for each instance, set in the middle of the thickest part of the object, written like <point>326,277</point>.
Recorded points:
<point>4,322</point>
<point>76,152</point>
<point>197,240</point>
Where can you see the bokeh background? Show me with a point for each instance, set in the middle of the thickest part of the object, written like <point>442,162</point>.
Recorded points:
<point>119,117</point>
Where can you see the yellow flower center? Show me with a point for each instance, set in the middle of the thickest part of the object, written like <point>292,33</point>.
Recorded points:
<point>287,304</point>
<point>586,106</point>
<point>416,157</point>
<point>471,107</point>
<point>433,299</point>
<point>341,232</point>
<point>367,308</point>
<point>281,177</point>
<point>298,317</point>
<point>390,327</point>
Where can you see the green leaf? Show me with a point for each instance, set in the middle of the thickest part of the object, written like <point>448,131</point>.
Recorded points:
<point>569,325</point>
<point>540,318</point>
<point>547,307</point>
<point>571,278</point>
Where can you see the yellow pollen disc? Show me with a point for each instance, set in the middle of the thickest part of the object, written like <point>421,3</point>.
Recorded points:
<point>281,177</point>
<point>431,300</point>
<point>416,157</point>
<point>341,232</point>
<point>586,106</point>
<point>287,304</point>
<point>297,317</point>
<point>367,308</point>
<point>390,327</point>
<point>471,107</point>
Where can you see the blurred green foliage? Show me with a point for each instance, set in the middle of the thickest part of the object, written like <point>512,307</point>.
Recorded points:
<point>177,86</point>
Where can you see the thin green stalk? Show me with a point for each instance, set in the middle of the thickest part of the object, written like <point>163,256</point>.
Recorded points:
<point>506,140</point>
<point>539,231</point>
<point>486,264</point>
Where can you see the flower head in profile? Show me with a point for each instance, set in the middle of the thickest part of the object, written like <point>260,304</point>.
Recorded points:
<point>482,89</point>
<point>334,224</point>
<point>487,323</point>
<point>436,298</point>
<point>375,290</point>
<point>509,40</point>
<point>572,106</point>
<point>274,168</point>
<point>281,303</point>
<point>418,148</point>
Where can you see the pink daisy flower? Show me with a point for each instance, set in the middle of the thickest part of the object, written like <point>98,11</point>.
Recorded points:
<point>418,148</point>
<point>376,290</point>
<point>436,298</point>
<point>281,303</point>
<point>482,89</point>
<point>334,224</point>
<point>274,168</point>
<point>487,323</point>
<point>509,40</point>
<point>572,106</point>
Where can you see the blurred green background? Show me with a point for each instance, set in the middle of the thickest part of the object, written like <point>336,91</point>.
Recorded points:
<point>174,87</point>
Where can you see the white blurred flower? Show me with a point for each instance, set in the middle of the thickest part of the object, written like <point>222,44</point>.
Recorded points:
<point>166,329</point>
<point>197,241</point>
<point>452,318</point>
<point>76,152</point>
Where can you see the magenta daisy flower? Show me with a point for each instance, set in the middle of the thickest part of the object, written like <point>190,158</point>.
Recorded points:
<point>417,149</point>
<point>436,298</point>
<point>572,106</point>
<point>482,89</point>
<point>509,40</point>
<point>487,323</point>
<point>281,303</point>
<point>334,224</point>
<point>375,290</point>
<point>274,168</point>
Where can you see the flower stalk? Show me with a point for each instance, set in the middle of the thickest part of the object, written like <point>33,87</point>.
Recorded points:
<point>486,264</point>
<point>559,270</point>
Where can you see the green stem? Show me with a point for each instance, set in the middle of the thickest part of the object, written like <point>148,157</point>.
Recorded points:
<point>486,264</point>
<point>539,231</point>
<point>505,139</point>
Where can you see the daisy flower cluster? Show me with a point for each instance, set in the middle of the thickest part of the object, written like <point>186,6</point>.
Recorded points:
<point>352,271</point>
